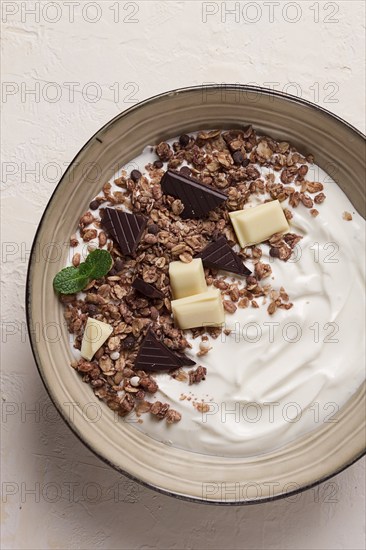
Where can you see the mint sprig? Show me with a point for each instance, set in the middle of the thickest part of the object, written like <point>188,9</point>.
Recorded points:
<point>73,279</point>
<point>70,280</point>
<point>97,264</point>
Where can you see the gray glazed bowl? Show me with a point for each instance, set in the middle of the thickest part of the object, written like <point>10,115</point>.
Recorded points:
<point>339,149</point>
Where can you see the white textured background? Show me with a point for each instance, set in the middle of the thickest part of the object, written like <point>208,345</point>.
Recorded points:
<point>55,493</point>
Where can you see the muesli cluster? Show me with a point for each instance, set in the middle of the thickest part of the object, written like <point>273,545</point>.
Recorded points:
<point>135,297</point>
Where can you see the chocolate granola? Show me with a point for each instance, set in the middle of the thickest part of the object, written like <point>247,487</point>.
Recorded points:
<point>227,162</point>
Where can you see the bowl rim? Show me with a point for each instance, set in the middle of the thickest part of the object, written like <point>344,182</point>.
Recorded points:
<point>229,87</point>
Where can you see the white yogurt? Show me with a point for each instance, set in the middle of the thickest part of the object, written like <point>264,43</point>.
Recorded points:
<point>278,377</point>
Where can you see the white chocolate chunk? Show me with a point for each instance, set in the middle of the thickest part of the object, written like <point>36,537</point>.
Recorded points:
<point>95,334</point>
<point>187,279</point>
<point>257,224</point>
<point>205,309</point>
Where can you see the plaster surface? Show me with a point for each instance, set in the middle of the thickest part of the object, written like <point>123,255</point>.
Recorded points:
<point>68,68</point>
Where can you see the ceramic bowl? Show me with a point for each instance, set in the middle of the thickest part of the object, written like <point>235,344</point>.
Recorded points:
<point>339,149</point>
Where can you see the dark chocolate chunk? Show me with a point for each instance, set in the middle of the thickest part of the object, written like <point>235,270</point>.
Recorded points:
<point>136,175</point>
<point>147,289</point>
<point>238,157</point>
<point>119,265</point>
<point>153,229</point>
<point>92,309</point>
<point>274,252</point>
<point>94,205</point>
<point>184,140</point>
<point>158,164</point>
<point>129,342</point>
<point>154,356</point>
<point>186,171</point>
<point>198,199</point>
<point>126,229</point>
<point>220,255</point>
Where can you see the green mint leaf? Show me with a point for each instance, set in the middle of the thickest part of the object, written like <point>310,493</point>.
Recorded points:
<point>69,280</point>
<point>97,264</point>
